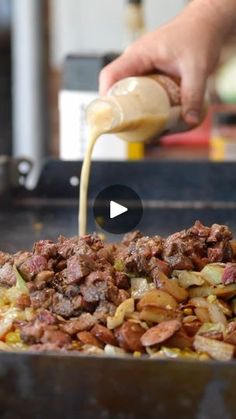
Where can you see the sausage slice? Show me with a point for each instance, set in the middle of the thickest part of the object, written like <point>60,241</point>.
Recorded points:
<point>160,333</point>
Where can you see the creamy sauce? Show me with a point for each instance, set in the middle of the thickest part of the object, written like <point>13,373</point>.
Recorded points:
<point>84,180</point>
<point>147,126</point>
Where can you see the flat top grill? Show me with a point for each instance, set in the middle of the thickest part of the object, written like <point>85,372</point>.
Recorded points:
<point>174,195</point>
<point>68,386</point>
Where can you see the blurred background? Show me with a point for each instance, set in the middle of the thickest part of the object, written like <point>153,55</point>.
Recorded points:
<point>51,52</point>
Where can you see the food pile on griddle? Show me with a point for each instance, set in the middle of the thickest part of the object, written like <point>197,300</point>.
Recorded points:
<point>145,296</point>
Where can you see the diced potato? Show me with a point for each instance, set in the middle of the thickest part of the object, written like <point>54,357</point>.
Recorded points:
<point>202,314</point>
<point>199,302</point>
<point>220,351</point>
<point>223,291</point>
<point>213,273</point>
<point>215,313</point>
<point>171,287</point>
<point>157,298</point>
<point>157,314</point>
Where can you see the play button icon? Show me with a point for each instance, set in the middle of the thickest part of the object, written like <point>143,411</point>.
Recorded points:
<point>117,209</point>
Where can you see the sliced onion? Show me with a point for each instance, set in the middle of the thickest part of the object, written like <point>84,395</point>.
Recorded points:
<point>223,291</point>
<point>114,350</point>
<point>92,350</point>
<point>7,321</point>
<point>211,328</point>
<point>125,308</point>
<point>188,278</point>
<point>15,292</point>
<point>213,273</point>
<point>139,287</point>
<point>216,349</point>
<point>199,302</point>
<point>216,314</point>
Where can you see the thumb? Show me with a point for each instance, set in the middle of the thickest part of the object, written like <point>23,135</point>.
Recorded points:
<point>193,85</point>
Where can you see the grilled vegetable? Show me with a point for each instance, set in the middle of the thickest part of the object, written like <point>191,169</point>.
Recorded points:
<point>220,351</point>
<point>125,308</point>
<point>213,273</point>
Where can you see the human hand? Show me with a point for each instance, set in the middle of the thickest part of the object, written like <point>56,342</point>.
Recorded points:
<point>188,47</point>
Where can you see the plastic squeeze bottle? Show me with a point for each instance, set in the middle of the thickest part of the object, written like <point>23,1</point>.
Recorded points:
<point>137,109</point>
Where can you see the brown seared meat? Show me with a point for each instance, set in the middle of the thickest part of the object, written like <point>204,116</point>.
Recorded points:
<point>145,295</point>
<point>195,247</point>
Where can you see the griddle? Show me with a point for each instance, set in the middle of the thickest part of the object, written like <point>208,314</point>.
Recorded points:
<point>41,386</point>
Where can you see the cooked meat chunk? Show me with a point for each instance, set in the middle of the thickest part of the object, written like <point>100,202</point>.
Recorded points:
<point>78,266</point>
<point>128,336</point>
<point>122,280</point>
<point>219,233</point>
<point>137,255</point>
<point>45,248</point>
<point>32,266</point>
<point>103,334</point>
<point>62,306</point>
<point>56,337</point>
<point>133,236</point>
<point>43,278</point>
<point>198,245</point>
<point>103,310</point>
<point>88,339</point>
<point>229,275</point>
<point>144,295</point>
<point>4,258</point>
<point>84,322</point>
<point>32,332</point>
<point>7,275</point>
<point>42,299</point>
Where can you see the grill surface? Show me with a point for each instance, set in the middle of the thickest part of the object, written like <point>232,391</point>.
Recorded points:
<point>67,386</point>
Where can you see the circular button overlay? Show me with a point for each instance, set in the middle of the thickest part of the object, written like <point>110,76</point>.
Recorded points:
<point>117,209</point>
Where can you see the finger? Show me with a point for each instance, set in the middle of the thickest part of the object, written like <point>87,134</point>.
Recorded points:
<point>193,85</point>
<point>134,62</point>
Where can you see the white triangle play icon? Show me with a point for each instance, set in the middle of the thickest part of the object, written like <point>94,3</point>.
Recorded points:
<point>116,209</point>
